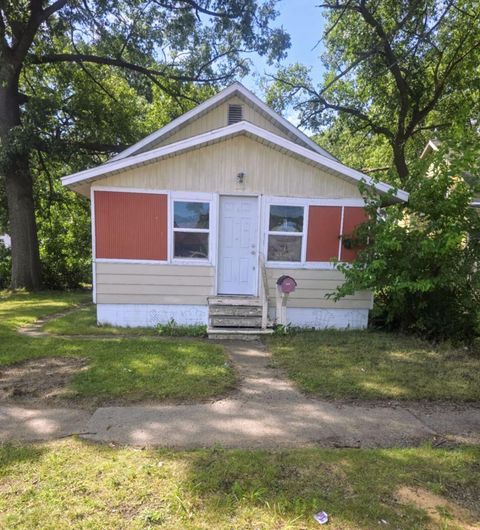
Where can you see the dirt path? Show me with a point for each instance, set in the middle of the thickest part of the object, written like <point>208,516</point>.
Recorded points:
<point>266,411</point>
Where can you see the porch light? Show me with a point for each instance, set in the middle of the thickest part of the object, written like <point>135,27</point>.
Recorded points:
<point>240,177</point>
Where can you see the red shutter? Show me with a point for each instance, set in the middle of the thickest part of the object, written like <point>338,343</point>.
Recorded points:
<point>130,225</point>
<point>352,217</point>
<point>323,232</point>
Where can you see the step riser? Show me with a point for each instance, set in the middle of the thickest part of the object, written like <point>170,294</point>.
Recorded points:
<point>236,322</point>
<point>237,333</point>
<point>235,311</point>
<point>232,300</point>
<point>232,336</point>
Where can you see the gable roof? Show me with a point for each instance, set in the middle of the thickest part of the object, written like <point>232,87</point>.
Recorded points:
<point>432,145</point>
<point>236,89</point>
<point>326,163</point>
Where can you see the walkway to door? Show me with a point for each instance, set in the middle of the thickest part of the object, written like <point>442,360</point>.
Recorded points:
<point>266,411</point>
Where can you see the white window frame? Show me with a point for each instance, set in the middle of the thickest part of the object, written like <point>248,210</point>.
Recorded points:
<point>302,234</point>
<point>211,200</point>
<point>306,203</point>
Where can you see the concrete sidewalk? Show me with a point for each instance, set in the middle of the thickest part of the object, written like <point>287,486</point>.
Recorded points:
<point>265,412</point>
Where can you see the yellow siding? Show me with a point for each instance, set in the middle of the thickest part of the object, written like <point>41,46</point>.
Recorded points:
<point>313,286</point>
<point>213,169</point>
<point>217,117</point>
<point>133,283</point>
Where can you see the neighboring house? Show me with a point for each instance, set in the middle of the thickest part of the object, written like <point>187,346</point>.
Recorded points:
<point>433,146</point>
<point>5,240</point>
<point>203,216</point>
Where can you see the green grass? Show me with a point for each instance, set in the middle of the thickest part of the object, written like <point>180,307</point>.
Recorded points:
<point>124,370</point>
<point>75,485</point>
<point>374,365</point>
<point>84,322</point>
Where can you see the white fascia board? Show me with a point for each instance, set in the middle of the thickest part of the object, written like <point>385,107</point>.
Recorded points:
<point>223,133</point>
<point>431,146</point>
<point>280,119</point>
<point>235,88</point>
<point>124,163</point>
<point>324,161</point>
<point>211,102</point>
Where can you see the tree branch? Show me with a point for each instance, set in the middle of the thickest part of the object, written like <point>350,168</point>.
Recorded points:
<point>198,8</point>
<point>53,8</point>
<point>109,61</point>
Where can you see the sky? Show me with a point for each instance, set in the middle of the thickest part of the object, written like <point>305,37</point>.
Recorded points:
<point>304,22</point>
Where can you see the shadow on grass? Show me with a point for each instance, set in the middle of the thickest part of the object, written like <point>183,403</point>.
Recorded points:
<point>12,454</point>
<point>358,489</point>
<point>78,484</point>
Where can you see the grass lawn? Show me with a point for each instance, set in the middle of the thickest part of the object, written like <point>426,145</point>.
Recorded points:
<point>73,484</point>
<point>119,369</point>
<point>84,322</point>
<point>374,365</point>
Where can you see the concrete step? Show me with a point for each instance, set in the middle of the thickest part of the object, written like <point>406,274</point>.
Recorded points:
<point>234,300</point>
<point>235,322</point>
<point>235,310</point>
<point>237,333</point>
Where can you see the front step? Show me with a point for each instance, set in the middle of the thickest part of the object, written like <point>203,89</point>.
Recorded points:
<point>235,318</point>
<point>235,322</point>
<point>234,300</point>
<point>237,333</point>
<point>234,310</point>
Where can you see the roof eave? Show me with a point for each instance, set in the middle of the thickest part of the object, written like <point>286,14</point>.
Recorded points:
<point>334,166</point>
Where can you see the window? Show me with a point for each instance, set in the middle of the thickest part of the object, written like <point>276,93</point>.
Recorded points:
<point>285,233</point>
<point>191,226</point>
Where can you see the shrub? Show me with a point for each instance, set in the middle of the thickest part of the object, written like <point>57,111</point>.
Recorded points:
<point>421,258</point>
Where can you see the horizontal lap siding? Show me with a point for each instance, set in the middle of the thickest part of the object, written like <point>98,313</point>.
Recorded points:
<point>125,283</point>
<point>312,287</point>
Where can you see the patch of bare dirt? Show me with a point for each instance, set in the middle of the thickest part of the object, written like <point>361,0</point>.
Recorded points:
<point>439,509</point>
<point>45,379</point>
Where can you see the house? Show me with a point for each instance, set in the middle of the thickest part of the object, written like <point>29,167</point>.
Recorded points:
<point>6,240</point>
<point>197,221</point>
<point>432,147</point>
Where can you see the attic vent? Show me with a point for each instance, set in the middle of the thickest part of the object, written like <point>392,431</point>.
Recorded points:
<point>235,114</point>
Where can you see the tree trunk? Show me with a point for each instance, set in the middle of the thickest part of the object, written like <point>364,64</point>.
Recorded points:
<point>400,161</point>
<point>19,188</point>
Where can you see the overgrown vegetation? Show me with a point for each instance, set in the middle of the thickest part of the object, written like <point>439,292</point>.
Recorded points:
<point>405,76</point>
<point>72,484</point>
<point>124,370</point>
<point>421,259</point>
<point>373,365</point>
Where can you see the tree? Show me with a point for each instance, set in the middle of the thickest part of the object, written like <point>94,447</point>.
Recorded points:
<point>162,43</point>
<point>422,259</point>
<point>404,71</point>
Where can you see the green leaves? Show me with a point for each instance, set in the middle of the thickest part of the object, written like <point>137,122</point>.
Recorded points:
<point>421,259</point>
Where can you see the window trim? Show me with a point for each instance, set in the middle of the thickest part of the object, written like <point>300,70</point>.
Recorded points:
<point>302,234</point>
<point>200,197</point>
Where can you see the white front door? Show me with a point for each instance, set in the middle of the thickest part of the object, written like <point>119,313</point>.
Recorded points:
<point>238,245</point>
